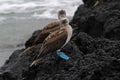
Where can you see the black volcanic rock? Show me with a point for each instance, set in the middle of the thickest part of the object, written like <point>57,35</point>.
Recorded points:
<point>91,59</point>
<point>89,3</point>
<point>30,41</point>
<point>94,50</point>
<point>101,21</point>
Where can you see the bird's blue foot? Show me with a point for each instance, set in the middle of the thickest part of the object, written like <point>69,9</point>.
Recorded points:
<point>62,55</point>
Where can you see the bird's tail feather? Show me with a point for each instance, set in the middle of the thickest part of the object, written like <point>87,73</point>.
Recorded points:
<point>37,59</point>
<point>96,3</point>
<point>35,63</point>
<point>28,49</point>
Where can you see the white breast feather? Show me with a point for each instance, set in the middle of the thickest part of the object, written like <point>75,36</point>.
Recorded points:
<point>69,30</point>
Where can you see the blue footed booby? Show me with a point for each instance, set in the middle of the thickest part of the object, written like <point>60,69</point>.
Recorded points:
<point>49,28</point>
<point>55,41</point>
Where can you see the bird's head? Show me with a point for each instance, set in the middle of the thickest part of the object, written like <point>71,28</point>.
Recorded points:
<point>61,14</point>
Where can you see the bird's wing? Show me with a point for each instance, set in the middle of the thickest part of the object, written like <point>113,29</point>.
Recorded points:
<point>53,42</point>
<point>53,26</point>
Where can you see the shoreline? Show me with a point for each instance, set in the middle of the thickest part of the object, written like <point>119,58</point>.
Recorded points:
<point>19,38</point>
<point>5,53</point>
<point>16,40</point>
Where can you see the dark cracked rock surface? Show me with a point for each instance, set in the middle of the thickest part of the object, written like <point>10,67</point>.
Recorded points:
<point>94,50</point>
<point>102,21</point>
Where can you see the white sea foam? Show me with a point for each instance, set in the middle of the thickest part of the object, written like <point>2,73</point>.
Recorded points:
<point>39,8</point>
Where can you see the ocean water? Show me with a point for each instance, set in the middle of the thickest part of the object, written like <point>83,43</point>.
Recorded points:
<point>19,18</point>
<point>36,8</point>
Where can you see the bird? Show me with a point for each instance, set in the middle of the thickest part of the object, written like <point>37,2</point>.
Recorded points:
<point>55,41</point>
<point>49,28</point>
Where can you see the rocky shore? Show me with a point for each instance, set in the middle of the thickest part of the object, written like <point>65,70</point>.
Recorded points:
<point>94,49</point>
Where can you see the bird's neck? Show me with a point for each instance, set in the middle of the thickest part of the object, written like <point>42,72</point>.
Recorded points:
<point>64,24</point>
